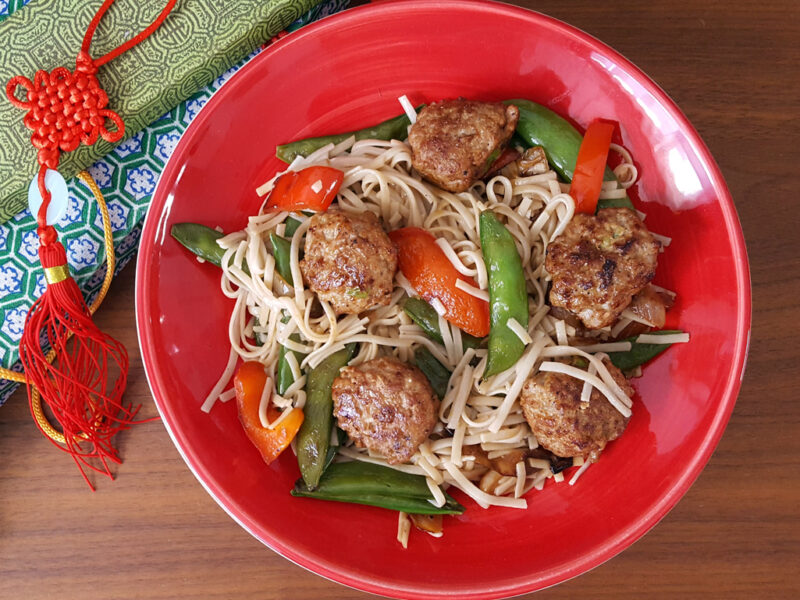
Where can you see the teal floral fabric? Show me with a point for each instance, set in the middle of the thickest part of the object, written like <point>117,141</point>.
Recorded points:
<point>127,178</point>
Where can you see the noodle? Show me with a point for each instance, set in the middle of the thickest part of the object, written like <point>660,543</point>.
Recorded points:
<point>378,178</point>
<point>403,528</point>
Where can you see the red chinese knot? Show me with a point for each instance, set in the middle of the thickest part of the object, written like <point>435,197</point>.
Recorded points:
<point>65,109</point>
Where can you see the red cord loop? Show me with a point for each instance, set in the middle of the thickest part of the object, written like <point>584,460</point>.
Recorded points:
<point>87,39</point>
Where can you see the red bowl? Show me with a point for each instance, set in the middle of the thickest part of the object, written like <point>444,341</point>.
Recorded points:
<point>346,72</point>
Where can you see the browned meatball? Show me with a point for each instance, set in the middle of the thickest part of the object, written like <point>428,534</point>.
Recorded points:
<point>349,261</point>
<point>454,142</point>
<point>565,426</point>
<point>386,405</point>
<point>599,263</point>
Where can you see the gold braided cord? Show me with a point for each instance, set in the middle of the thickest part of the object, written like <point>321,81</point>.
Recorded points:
<point>38,413</point>
<point>36,400</point>
<point>108,238</point>
<point>12,375</point>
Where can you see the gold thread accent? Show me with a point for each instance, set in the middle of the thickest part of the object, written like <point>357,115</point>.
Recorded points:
<point>56,274</point>
<point>12,375</point>
<point>108,235</point>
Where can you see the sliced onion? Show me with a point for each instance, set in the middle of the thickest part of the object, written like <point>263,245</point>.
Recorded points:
<point>649,305</point>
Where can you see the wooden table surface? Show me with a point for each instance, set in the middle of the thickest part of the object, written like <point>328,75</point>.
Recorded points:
<point>155,533</point>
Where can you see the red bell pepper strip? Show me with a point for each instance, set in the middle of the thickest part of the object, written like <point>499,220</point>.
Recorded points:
<point>312,188</point>
<point>428,269</point>
<point>590,166</point>
<point>249,383</point>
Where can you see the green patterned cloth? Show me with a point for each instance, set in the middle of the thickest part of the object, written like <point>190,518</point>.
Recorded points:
<point>127,177</point>
<point>197,41</point>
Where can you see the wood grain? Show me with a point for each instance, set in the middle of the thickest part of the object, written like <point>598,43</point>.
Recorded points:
<point>155,533</point>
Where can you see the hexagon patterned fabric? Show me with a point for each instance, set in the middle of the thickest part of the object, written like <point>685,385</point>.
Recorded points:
<point>127,178</point>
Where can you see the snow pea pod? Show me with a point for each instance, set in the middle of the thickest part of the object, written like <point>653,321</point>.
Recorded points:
<point>333,449</point>
<point>393,129</point>
<point>314,437</point>
<point>508,297</point>
<point>282,251</point>
<point>375,485</point>
<point>284,376</point>
<point>540,126</point>
<point>424,315</point>
<point>639,353</point>
<point>438,375</point>
<point>291,226</point>
<point>199,240</point>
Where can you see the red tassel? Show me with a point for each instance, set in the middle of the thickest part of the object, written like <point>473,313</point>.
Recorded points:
<point>84,385</point>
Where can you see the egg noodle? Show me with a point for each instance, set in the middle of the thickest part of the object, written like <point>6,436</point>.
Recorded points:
<point>378,178</point>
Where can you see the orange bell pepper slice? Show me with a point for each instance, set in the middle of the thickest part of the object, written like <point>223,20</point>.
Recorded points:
<point>312,188</point>
<point>249,383</point>
<point>590,166</point>
<point>428,269</point>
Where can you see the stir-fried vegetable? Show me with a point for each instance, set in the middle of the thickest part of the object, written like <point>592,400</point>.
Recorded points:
<point>424,315</point>
<point>200,240</point>
<point>436,372</point>
<point>284,376</point>
<point>282,251</point>
<point>507,463</point>
<point>429,523</point>
<point>291,226</point>
<point>508,296</point>
<point>249,383</point>
<point>314,438</point>
<point>312,188</point>
<point>639,353</point>
<point>393,129</point>
<point>433,276</point>
<point>651,306</point>
<point>365,483</point>
<point>590,165</point>
<point>502,158</point>
<point>540,126</point>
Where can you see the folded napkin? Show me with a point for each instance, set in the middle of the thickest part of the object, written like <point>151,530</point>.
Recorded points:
<point>127,177</point>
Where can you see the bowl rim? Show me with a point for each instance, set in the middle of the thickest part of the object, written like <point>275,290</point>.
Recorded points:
<point>155,222</point>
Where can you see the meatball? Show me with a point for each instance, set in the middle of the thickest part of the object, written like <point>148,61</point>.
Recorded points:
<point>349,261</point>
<point>455,142</point>
<point>386,405</point>
<point>599,263</point>
<point>562,423</point>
